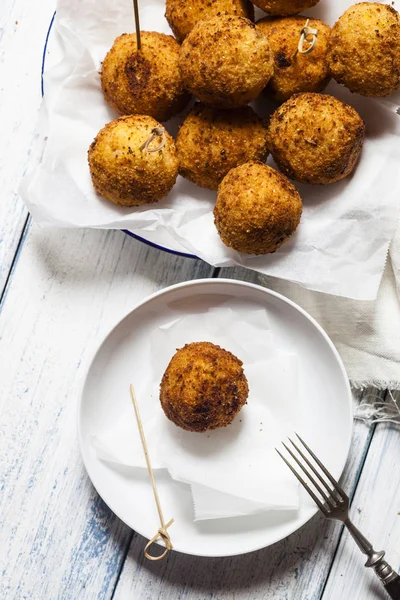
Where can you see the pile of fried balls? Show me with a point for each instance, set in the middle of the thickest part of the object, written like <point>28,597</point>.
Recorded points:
<point>225,60</point>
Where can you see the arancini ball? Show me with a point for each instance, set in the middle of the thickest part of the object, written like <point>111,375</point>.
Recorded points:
<point>182,15</point>
<point>203,387</point>
<point>225,61</point>
<point>296,72</point>
<point>283,8</point>
<point>144,82</point>
<point>257,209</point>
<point>364,49</point>
<point>121,167</point>
<point>212,141</point>
<point>316,138</point>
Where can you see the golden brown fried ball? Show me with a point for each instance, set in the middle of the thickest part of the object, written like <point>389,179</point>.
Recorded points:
<point>316,138</point>
<point>364,49</point>
<point>225,61</point>
<point>257,209</point>
<point>182,15</point>
<point>212,141</point>
<point>284,8</point>
<point>203,387</point>
<point>296,72</point>
<point>147,82</point>
<point>127,174</point>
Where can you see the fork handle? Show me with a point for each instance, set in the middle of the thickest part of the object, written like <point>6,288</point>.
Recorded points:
<point>393,588</point>
<point>386,574</point>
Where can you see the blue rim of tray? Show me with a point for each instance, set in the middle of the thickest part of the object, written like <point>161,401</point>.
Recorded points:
<point>134,235</point>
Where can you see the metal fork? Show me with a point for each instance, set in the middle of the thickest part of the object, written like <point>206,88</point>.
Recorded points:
<point>335,505</point>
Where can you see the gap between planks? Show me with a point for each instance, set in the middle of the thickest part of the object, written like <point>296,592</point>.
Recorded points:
<point>14,261</point>
<point>377,499</point>
<point>20,99</point>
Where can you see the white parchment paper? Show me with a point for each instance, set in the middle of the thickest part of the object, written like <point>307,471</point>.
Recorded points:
<point>342,242</point>
<point>234,470</point>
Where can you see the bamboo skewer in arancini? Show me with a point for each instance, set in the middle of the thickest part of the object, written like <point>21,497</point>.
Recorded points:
<point>137,24</point>
<point>140,74</point>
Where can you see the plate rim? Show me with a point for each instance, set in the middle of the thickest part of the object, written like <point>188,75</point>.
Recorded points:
<point>214,282</point>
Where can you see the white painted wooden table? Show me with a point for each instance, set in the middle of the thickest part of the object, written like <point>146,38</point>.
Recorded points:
<point>61,291</point>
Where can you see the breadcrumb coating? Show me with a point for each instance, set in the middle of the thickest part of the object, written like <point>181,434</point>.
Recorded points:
<point>257,209</point>
<point>212,141</point>
<point>226,61</point>
<point>296,72</point>
<point>364,49</point>
<point>316,138</point>
<point>203,387</point>
<point>147,82</point>
<point>284,8</point>
<point>124,173</point>
<point>182,15</point>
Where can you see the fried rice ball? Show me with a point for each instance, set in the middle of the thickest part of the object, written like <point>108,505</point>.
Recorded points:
<point>316,138</point>
<point>203,387</point>
<point>225,61</point>
<point>182,15</point>
<point>364,49</point>
<point>283,8</point>
<point>212,141</point>
<point>257,209</point>
<point>296,72</point>
<point>126,173</point>
<point>147,82</point>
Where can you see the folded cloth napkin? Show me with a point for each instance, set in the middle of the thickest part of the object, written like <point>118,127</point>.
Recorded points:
<point>235,470</point>
<point>366,334</point>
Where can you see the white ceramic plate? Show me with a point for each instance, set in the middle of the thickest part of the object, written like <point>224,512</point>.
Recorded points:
<point>325,405</point>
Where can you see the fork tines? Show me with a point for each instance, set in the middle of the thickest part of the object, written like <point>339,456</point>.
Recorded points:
<point>331,495</point>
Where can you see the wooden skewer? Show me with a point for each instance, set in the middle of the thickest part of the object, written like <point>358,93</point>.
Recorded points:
<point>137,24</point>
<point>304,38</point>
<point>156,131</point>
<point>162,532</point>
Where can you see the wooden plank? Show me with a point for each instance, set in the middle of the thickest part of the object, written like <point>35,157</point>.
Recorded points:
<point>376,512</point>
<point>23,27</point>
<point>68,289</point>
